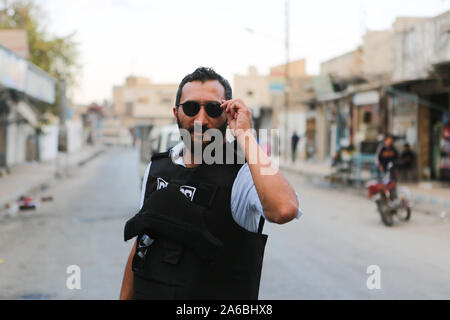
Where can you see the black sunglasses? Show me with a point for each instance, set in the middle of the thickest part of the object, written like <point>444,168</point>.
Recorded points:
<point>191,108</point>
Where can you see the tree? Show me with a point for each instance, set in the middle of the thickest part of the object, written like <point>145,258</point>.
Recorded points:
<point>56,55</point>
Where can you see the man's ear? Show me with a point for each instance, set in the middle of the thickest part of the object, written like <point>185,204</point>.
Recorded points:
<point>175,112</point>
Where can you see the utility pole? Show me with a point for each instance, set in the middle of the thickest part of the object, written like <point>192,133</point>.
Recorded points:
<point>286,81</point>
<point>62,134</point>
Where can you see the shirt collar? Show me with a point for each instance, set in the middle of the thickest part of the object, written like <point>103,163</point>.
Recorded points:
<point>176,153</point>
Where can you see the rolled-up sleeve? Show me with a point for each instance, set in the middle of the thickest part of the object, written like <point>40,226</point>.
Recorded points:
<point>246,206</point>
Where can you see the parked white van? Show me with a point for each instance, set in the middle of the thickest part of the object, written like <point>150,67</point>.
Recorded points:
<point>160,139</point>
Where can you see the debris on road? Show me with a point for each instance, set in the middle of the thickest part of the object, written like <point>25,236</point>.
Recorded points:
<point>27,203</point>
<point>47,199</point>
<point>11,209</point>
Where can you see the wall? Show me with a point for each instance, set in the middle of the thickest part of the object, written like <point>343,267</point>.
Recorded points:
<point>420,45</point>
<point>321,138</point>
<point>48,143</point>
<point>16,40</point>
<point>16,139</point>
<point>74,135</point>
<point>378,53</point>
<point>252,88</point>
<point>139,101</point>
<point>346,65</point>
<point>296,68</point>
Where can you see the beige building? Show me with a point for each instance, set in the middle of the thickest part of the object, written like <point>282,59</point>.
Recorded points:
<point>296,68</point>
<point>421,44</point>
<point>252,88</point>
<point>346,66</point>
<point>142,102</point>
<point>291,116</point>
<point>373,60</point>
<point>378,54</point>
<point>266,96</point>
<point>16,40</point>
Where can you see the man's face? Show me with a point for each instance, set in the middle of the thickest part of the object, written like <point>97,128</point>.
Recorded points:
<point>388,141</point>
<point>209,91</point>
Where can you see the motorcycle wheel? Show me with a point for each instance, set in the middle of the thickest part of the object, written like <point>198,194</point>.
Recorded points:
<point>404,213</point>
<point>385,211</point>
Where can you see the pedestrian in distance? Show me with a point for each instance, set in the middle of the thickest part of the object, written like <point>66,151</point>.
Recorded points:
<point>199,229</point>
<point>294,143</point>
<point>406,163</point>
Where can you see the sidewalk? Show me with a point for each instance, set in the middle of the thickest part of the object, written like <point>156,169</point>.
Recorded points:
<point>428,197</point>
<point>30,177</point>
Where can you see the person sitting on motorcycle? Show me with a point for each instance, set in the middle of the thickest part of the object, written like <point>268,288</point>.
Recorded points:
<point>386,159</point>
<point>385,154</point>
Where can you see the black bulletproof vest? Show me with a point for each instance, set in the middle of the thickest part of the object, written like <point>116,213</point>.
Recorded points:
<point>198,250</point>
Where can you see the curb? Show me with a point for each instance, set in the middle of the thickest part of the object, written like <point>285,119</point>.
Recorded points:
<point>422,203</point>
<point>45,183</point>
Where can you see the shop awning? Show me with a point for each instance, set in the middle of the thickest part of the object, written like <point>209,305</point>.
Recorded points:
<point>414,98</point>
<point>366,98</point>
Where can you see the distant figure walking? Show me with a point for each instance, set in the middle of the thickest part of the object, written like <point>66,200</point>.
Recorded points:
<point>406,163</point>
<point>294,142</point>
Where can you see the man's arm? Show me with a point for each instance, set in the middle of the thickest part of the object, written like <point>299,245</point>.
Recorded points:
<point>126,293</point>
<point>277,196</point>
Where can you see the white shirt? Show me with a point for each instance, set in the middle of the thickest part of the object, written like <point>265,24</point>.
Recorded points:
<point>246,207</point>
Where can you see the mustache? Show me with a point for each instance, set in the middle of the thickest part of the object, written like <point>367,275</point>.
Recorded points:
<point>204,128</point>
<point>197,129</point>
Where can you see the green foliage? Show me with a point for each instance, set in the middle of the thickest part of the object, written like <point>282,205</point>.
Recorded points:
<point>57,55</point>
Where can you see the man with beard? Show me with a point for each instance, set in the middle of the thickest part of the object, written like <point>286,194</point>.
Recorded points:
<point>199,229</point>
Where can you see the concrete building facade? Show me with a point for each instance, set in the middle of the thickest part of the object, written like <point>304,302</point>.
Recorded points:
<point>346,65</point>
<point>141,102</point>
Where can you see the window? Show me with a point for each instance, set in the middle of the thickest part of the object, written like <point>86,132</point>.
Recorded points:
<point>143,100</point>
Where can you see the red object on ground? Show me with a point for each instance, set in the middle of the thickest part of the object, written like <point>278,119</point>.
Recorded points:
<point>27,203</point>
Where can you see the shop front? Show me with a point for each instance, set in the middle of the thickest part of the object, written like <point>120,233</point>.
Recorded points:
<point>421,120</point>
<point>366,121</point>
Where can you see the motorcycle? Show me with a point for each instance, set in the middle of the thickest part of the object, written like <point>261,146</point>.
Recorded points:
<point>389,202</point>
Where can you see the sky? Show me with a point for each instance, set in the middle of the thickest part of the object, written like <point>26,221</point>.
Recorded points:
<point>165,40</point>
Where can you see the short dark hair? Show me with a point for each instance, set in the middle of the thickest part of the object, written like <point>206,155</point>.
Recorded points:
<point>204,74</point>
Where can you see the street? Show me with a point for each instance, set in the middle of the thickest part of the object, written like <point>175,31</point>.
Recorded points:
<point>323,255</point>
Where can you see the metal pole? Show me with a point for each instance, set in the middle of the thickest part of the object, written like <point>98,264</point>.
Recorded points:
<point>62,138</point>
<point>286,85</point>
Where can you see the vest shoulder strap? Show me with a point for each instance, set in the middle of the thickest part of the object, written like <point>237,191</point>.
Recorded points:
<point>261,225</point>
<point>160,155</point>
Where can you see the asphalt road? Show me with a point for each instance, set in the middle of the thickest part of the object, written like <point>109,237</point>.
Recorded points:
<point>323,255</point>
<point>327,252</point>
